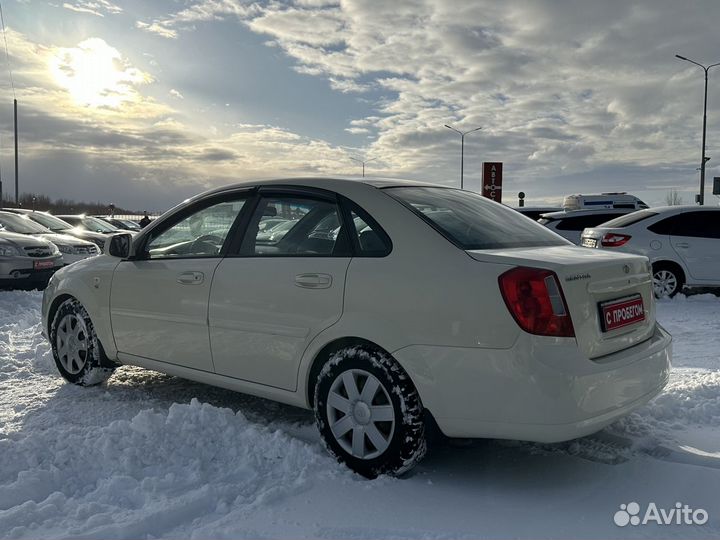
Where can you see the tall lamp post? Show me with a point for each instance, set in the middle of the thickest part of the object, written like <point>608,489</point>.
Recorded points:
<point>701,199</point>
<point>462,148</point>
<point>363,162</point>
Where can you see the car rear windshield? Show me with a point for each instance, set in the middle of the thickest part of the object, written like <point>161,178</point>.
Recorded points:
<point>471,221</point>
<point>629,219</point>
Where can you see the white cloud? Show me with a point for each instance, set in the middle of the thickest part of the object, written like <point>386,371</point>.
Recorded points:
<point>199,11</point>
<point>97,7</point>
<point>176,93</point>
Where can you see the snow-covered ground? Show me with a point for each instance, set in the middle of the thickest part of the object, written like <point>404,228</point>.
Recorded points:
<point>149,455</point>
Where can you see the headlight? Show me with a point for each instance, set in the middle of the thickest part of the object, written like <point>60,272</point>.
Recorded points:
<point>54,249</point>
<point>67,250</point>
<point>6,250</point>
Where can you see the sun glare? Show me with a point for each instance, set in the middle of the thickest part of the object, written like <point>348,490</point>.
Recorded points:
<point>95,74</point>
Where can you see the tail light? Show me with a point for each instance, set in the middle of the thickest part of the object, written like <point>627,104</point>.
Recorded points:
<point>614,240</point>
<point>536,302</point>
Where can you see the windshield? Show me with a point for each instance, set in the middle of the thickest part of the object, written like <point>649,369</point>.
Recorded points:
<point>471,221</point>
<point>21,224</point>
<point>630,219</point>
<point>98,225</point>
<point>51,222</point>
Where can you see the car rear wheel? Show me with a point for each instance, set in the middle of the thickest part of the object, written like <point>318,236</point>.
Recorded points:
<point>667,280</point>
<point>77,352</point>
<point>369,413</point>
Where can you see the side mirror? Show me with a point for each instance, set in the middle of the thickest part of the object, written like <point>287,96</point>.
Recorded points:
<point>120,245</point>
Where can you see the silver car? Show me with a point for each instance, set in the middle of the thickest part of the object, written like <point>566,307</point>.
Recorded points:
<point>73,249</point>
<point>26,261</point>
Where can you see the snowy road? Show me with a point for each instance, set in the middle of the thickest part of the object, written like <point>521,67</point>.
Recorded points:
<point>149,455</point>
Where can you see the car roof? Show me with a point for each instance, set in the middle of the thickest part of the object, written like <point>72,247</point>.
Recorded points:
<point>335,183</point>
<point>537,208</point>
<point>588,212</point>
<point>682,208</point>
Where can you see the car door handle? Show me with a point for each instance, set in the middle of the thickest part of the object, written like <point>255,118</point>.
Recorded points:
<point>682,245</point>
<point>313,281</point>
<point>191,278</point>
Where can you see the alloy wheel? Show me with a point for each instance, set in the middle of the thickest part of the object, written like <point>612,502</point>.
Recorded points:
<point>664,283</point>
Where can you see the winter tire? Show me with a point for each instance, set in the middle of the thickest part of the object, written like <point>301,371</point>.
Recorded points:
<point>667,280</point>
<point>77,352</point>
<point>369,413</point>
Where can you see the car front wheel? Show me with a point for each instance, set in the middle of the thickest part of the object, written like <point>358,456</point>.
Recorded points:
<point>369,413</point>
<point>77,352</point>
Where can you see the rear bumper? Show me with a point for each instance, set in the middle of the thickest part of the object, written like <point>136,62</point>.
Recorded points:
<point>541,389</point>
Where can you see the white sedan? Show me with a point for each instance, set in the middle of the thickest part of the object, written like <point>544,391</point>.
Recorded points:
<point>682,243</point>
<point>430,304</point>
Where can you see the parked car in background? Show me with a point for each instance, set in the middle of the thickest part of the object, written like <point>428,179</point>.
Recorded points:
<point>275,234</point>
<point>27,262</point>
<point>89,223</point>
<point>122,224</point>
<point>59,226</point>
<point>268,223</point>
<point>534,212</point>
<point>682,243</point>
<point>73,249</point>
<point>571,224</point>
<point>603,201</point>
<point>466,313</point>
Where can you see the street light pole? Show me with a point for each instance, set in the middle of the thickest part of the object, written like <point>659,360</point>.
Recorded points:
<point>363,162</point>
<point>462,149</point>
<point>701,199</point>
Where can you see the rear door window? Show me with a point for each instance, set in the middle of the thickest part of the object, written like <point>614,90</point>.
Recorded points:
<point>697,224</point>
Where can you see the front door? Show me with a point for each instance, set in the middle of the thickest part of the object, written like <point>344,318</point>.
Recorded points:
<point>159,302</point>
<point>280,290</point>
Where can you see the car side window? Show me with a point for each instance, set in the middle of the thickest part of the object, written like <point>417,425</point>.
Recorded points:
<point>201,234</point>
<point>307,227</point>
<point>697,224</point>
<point>367,236</point>
<point>665,226</point>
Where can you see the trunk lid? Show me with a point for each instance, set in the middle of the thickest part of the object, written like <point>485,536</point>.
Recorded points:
<point>589,278</point>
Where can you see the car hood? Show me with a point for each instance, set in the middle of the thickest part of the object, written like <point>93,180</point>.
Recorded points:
<point>56,238</point>
<point>82,233</point>
<point>23,240</point>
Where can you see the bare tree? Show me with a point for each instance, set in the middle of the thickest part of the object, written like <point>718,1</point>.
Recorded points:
<point>673,198</point>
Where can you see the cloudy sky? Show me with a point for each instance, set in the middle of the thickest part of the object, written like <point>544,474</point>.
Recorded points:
<point>145,103</point>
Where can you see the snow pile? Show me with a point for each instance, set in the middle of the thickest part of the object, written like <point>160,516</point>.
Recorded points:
<point>693,398</point>
<point>141,477</point>
<point>21,343</point>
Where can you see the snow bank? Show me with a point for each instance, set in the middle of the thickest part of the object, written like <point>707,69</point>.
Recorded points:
<point>141,477</point>
<point>21,343</point>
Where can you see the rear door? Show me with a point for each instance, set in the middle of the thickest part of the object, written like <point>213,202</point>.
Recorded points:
<point>159,302</point>
<point>274,295</point>
<point>695,238</point>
